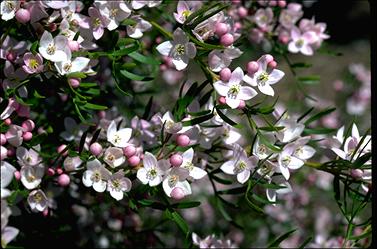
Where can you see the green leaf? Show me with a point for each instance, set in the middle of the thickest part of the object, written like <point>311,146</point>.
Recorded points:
<point>305,242</point>
<point>34,47</point>
<point>309,80</point>
<point>233,191</point>
<point>220,180</point>
<point>88,84</point>
<point>319,115</point>
<point>131,76</point>
<point>305,114</point>
<point>148,108</point>
<point>225,118</point>
<point>281,238</point>
<point>124,42</point>
<point>79,75</point>
<point>95,136</point>
<point>319,130</point>
<point>143,59</point>
<point>95,107</point>
<point>274,128</point>
<point>198,120</point>
<point>359,162</point>
<point>128,22</point>
<point>301,65</point>
<point>126,51</point>
<point>82,141</point>
<point>180,222</point>
<point>265,141</point>
<point>189,204</point>
<point>201,113</point>
<point>37,95</point>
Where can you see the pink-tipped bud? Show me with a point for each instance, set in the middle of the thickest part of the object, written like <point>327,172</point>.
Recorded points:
<point>27,136</point>
<point>338,85</point>
<point>95,149</point>
<point>282,3</point>
<point>177,193</point>
<point>163,67</point>
<point>11,152</point>
<point>272,64</point>
<point>3,139</point>
<point>8,121</point>
<point>17,175</point>
<point>74,82</point>
<point>23,15</point>
<point>241,105</point>
<point>225,74</point>
<point>59,171</point>
<point>61,148</point>
<point>227,40</point>
<point>268,58</point>
<point>222,100</point>
<point>252,67</point>
<point>221,29</point>
<point>182,140</point>
<point>45,212</point>
<point>74,46</point>
<point>284,39</point>
<point>129,151</point>
<point>237,26</point>
<point>176,160</point>
<point>64,180</point>
<point>50,171</point>
<point>158,39</point>
<point>356,173</point>
<point>242,12</point>
<point>4,153</point>
<point>134,161</point>
<point>11,56</point>
<point>28,125</point>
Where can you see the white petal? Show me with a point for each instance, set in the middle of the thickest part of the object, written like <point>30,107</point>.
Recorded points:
<point>307,50</point>
<point>275,76</point>
<point>232,103</point>
<point>228,167</point>
<point>99,186</point>
<point>188,155</point>
<point>197,173</point>
<point>117,195</point>
<point>307,152</point>
<point>164,48</point>
<point>125,135</point>
<point>142,175</point>
<point>295,163</point>
<point>149,160</point>
<point>180,63</point>
<point>185,186</point>
<point>191,50</point>
<point>285,172</point>
<point>221,88</point>
<point>250,80</point>
<point>271,195</point>
<point>355,131</point>
<point>340,153</point>
<point>247,93</point>
<point>292,47</point>
<point>86,178</point>
<point>266,89</point>
<point>46,39</point>
<point>79,64</point>
<point>157,180</point>
<point>236,77</point>
<point>111,130</point>
<point>166,187</point>
<point>243,176</point>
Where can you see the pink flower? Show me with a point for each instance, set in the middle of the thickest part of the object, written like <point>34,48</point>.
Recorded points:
<point>33,63</point>
<point>302,42</point>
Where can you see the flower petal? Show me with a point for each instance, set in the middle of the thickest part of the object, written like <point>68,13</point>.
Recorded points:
<point>164,48</point>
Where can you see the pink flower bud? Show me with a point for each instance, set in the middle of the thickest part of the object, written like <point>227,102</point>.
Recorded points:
<point>237,26</point>
<point>74,82</point>
<point>134,161</point>
<point>129,151</point>
<point>8,121</point>
<point>177,193</point>
<point>272,64</point>
<point>27,136</point>
<point>45,212</point>
<point>61,148</point>
<point>3,139</point>
<point>268,58</point>
<point>252,67</point>
<point>28,125</point>
<point>163,67</point>
<point>272,3</point>
<point>59,171</point>
<point>284,39</point>
<point>11,56</point>
<point>74,46</point>
<point>4,153</point>
<point>95,149</point>
<point>52,27</point>
<point>242,12</point>
<point>64,180</point>
<point>17,175</point>
<point>221,29</point>
<point>338,85</point>
<point>222,100</point>
<point>227,40</point>
<point>50,171</point>
<point>241,105</point>
<point>11,152</point>
<point>356,173</point>
<point>101,114</point>
<point>158,40</point>
<point>225,74</point>
<point>176,160</point>
<point>282,3</point>
<point>183,140</point>
<point>23,15</point>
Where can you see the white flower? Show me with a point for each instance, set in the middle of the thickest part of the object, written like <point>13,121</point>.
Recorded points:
<point>138,4</point>
<point>261,150</point>
<point>117,184</point>
<point>291,130</point>
<point>118,138</point>
<point>31,176</point>
<point>263,79</point>
<point>28,157</point>
<point>231,135</point>
<point>233,91</point>
<point>302,151</point>
<point>96,175</point>
<point>152,171</point>
<point>272,193</point>
<point>8,9</point>
<point>289,160</point>
<point>136,30</point>
<point>69,66</point>
<point>7,233</point>
<point>37,200</point>
<point>267,169</point>
<point>114,157</point>
<point>54,49</point>
<point>114,11</point>
<point>194,172</point>
<point>176,178</point>
<point>72,163</point>
<point>217,59</point>
<point>180,49</point>
<point>7,171</point>
<point>240,165</point>
<point>302,42</point>
<point>170,126</point>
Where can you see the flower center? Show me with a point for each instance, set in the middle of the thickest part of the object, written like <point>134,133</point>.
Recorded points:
<point>299,151</point>
<point>186,13</point>
<point>262,149</point>
<point>110,158</point>
<point>96,22</point>
<point>10,5</point>
<point>180,49</point>
<point>286,160</point>
<point>96,177</point>
<point>30,178</point>
<point>173,180</point>
<point>33,64</point>
<point>262,78</point>
<point>67,67</point>
<point>233,91</point>
<point>51,49</point>
<point>113,12</point>
<point>241,166</point>
<point>116,139</point>
<point>152,174</point>
<point>299,43</point>
<point>189,166</point>
<point>169,124</point>
<point>116,183</point>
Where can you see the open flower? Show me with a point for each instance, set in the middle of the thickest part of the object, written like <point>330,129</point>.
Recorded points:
<point>37,200</point>
<point>292,129</point>
<point>71,66</point>
<point>97,22</point>
<point>118,138</point>
<point>136,30</point>
<point>180,49</point>
<point>54,49</point>
<point>302,42</point>
<point>8,9</point>
<point>114,11</point>
<point>272,193</point>
<point>194,172</point>
<point>96,175</point>
<point>114,157</point>
<point>33,63</point>
<point>152,171</point>
<point>240,164</point>
<point>289,160</point>
<point>183,11</point>
<point>176,178</point>
<point>138,4</point>
<point>31,176</point>
<point>263,79</point>
<point>7,171</point>
<point>28,157</point>
<point>170,125</point>
<point>233,91</point>
<point>117,184</point>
